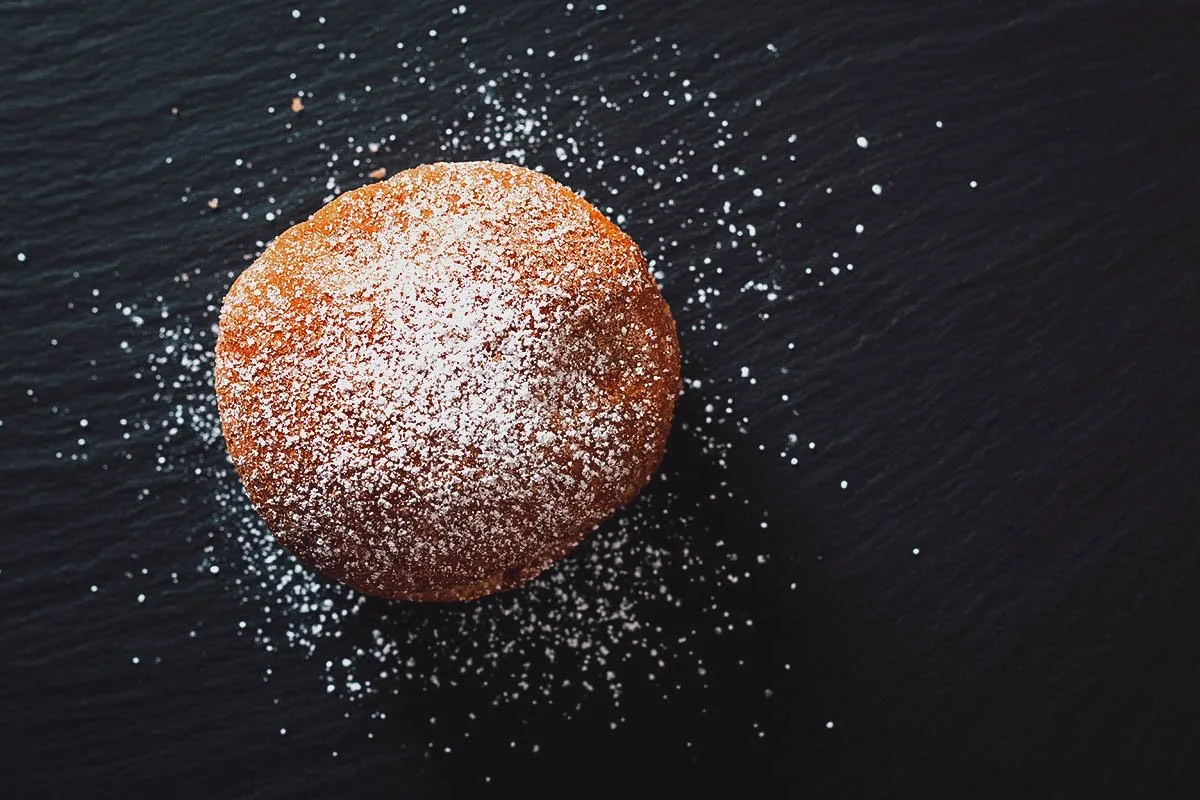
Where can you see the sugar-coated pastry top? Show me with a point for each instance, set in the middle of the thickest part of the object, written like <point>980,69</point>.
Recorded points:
<point>440,383</point>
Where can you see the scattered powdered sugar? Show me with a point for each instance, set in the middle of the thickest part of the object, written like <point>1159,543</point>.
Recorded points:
<point>635,602</point>
<point>644,603</point>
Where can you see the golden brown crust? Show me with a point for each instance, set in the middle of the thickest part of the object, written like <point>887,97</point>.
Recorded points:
<point>440,383</point>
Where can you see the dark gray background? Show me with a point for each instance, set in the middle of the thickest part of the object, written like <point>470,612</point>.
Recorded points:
<point>1007,381</point>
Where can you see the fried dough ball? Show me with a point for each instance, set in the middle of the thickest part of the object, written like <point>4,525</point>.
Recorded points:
<point>440,383</point>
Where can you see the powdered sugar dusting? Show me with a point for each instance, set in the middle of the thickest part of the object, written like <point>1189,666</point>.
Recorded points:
<point>647,605</point>
<point>444,378</point>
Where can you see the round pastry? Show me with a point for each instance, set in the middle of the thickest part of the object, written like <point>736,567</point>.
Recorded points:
<point>440,383</point>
